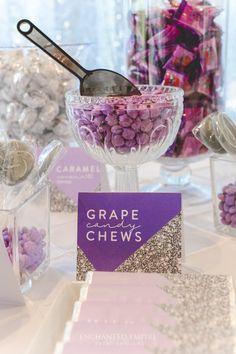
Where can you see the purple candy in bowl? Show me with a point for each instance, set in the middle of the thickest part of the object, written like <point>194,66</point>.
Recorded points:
<point>126,131</point>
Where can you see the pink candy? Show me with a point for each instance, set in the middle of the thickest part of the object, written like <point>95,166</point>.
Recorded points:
<point>187,144</point>
<point>208,55</point>
<point>181,59</point>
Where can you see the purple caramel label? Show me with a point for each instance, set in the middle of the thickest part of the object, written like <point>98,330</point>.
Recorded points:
<point>112,226</point>
<point>75,172</point>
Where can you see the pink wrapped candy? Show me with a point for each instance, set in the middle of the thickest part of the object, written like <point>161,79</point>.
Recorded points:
<point>197,18</point>
<point>173,78</point>
<point>208,55</point>
<point>180,59</point>
<point>180,45</point>
<point>186,145</point>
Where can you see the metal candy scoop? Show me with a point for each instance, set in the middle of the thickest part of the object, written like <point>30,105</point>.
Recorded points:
<point>225,131</point>
<point>217,132</point>
<point>99,82</point>
<point>204,132</point>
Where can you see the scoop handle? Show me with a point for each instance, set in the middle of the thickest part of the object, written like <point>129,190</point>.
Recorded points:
<point>36,36</point>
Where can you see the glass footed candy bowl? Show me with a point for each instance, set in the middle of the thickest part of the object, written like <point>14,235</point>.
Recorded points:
<point>126,131</point>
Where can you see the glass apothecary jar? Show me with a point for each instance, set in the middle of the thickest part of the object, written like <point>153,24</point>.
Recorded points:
<point>25,231</point>
<point>181,43</point>
<point>32,93</point>
<point>223,178</point>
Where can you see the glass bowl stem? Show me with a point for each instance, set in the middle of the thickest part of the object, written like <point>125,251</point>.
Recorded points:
<point>126,179</point>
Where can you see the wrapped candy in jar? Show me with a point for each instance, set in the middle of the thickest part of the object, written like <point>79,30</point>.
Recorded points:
<point>32,90</point>
<point>180,43</point>
<point>32,101</point>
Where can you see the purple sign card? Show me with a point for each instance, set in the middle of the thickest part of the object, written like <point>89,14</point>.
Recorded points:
<point>129,232</point>
<point>74,172</point>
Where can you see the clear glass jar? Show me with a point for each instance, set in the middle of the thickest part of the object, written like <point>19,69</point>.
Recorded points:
<point>32,93</point>
<point>223,178</point>
<point>25,230</point>
<point>181,43</point>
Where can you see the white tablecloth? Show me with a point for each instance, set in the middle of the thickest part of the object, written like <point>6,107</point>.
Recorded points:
<point>206,251</point>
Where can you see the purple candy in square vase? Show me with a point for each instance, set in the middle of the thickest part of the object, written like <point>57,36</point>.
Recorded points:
<point>227,205</point>
<point>31,247</point>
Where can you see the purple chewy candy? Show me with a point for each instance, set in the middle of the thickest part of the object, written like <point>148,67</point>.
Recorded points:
<point>30,247</point>
<point>227,205</point>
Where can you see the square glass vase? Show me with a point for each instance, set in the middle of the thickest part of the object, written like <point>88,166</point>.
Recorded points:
<point>223,181</point>
<point>25,231</point>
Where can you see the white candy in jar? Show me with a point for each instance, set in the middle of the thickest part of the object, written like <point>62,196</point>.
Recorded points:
<point>62,128</point>
<point>21,79</point>
<point>38,128</point>
<point>34,98</point>
<point>32,95</point>
<point>28,118</point>
<point>13,112</point>
<point>48,113</point>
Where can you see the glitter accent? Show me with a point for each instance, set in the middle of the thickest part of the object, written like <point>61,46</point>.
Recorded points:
<point>60,202</point>
<point>160,254</point>
<point>194,280</point>
<point>83,265</point>
<point>205,314</point>
<point>224,347</point>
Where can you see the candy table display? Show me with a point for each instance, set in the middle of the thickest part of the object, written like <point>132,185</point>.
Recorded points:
<point>126,131</point>
<point>180,43</point>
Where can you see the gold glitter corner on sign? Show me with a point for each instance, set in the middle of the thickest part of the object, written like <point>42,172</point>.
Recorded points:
<point>160,254</point>
<point>83,265</point>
